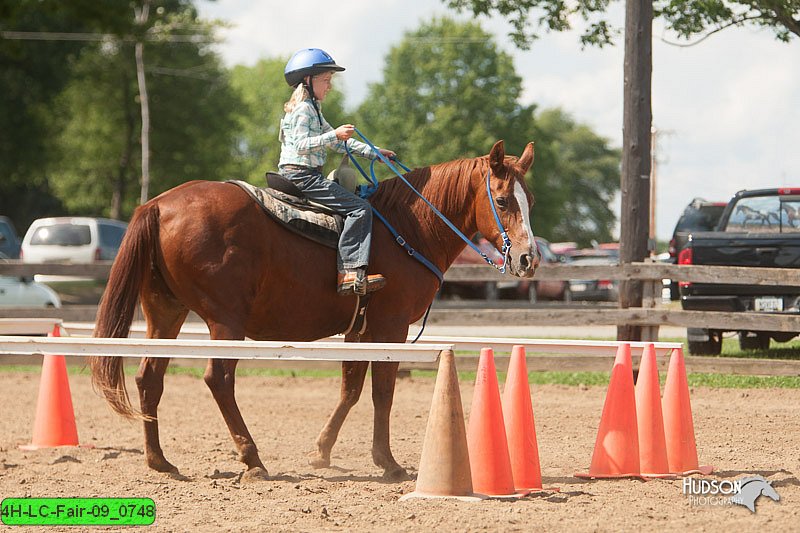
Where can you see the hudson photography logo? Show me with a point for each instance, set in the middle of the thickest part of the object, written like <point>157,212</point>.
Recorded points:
<point>725,492</point>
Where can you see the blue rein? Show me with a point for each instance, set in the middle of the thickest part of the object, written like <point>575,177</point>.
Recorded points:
<point>365,191</point>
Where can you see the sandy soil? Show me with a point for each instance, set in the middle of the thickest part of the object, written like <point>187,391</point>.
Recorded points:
<point>738,431</point>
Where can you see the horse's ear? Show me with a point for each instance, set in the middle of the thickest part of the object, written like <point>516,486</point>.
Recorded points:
<point>497,159</point>
<point>526,160</point>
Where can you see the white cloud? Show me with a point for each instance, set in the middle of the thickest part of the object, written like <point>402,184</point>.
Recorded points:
<point>728,107</point>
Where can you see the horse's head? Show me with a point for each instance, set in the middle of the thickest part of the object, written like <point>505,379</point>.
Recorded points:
<point>512,201</point>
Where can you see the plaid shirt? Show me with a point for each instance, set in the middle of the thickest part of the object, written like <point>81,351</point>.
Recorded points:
<point>304,140</point>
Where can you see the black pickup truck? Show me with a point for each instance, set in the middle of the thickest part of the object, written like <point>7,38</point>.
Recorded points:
<point>759,228</point>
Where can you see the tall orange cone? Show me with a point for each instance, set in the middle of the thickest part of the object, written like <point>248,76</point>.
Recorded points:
<point>678,424</point>
<point>650,424</point>
<point>616,450</point>
<point>55,417</point>
<point>520,427</point>
<point>486,435</point>
<point>444,470</point>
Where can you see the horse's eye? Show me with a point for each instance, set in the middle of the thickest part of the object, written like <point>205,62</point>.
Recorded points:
<point>502,202</point>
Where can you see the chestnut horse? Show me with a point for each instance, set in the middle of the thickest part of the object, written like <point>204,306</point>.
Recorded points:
<point>208,247</point>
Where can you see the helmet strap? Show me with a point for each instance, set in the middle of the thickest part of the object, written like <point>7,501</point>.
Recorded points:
<point>310,88</point>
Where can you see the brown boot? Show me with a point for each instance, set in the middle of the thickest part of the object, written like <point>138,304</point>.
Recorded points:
<point>358,283</point>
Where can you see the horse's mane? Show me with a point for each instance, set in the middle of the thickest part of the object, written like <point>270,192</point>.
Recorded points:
<point>445,185</point>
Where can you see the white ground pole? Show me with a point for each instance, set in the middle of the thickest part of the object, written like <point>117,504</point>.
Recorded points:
<point>498,344</point>
<point>221,349</point>
<point>200,332</point>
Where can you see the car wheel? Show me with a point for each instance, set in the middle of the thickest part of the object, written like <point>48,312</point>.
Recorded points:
<point>712,346</point>
<point>753,340</point>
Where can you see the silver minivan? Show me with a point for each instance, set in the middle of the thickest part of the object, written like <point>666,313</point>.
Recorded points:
<point>72,240</point>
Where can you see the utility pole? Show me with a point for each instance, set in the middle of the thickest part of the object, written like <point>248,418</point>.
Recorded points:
<point>651,243</point>
<point>140,16</point>
<point>636,138</point>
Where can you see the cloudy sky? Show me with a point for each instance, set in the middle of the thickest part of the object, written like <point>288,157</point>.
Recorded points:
<point>728,109</point>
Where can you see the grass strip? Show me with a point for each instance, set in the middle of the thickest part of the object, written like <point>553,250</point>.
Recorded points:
<point>721,381</point>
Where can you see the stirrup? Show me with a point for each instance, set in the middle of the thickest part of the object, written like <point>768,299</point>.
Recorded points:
<point>356,283</point>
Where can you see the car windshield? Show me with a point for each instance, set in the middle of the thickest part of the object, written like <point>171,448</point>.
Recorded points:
<point>702,219</point>
<point>62,235</point>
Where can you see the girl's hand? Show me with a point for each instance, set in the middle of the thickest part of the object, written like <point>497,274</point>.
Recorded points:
<point>388,154</point>
<point>345,131</point>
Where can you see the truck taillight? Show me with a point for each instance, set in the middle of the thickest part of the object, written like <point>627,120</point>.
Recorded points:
<point>605,284</point>
<point>685,258</point>
<point>97,254</point>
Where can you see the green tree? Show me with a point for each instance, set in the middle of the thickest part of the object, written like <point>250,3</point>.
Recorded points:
<point>448,92</point>
<point>33,71</point>
<point>262,91</point>
<point>192,121</point>
<point>688,18</point>
<point>581,177</point>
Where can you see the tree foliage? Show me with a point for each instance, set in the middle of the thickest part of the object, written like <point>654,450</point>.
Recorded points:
<point>449,92</point>
<point>90,122</point>
<point>262,91</point>
<point>32,74</point>
<point>688,18</point>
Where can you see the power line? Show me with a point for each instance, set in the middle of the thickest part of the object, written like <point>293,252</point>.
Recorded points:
<point>104,37</point>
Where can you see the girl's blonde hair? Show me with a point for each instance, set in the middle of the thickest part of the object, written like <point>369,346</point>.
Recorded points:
<point>299,94</point>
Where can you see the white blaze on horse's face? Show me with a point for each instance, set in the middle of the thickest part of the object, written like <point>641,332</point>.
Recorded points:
<point>525,210</point>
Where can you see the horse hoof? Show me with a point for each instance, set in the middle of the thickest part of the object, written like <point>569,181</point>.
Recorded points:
<point>257,473</point>
<point>162,465</point>
<point>316,460</point>
<point>397,473</point>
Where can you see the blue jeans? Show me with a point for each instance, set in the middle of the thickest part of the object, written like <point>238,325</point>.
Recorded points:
<point>356,237</point>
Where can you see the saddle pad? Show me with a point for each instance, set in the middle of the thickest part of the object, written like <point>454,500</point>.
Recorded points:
<point>296,214</point>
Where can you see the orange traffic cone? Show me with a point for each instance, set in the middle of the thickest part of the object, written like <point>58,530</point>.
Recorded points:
<point>616,451</point>
<point>444,466</point>
<point>520,427</point>
<point>650,424</point>
<point>678,425</point>
<point>486,435</point>
<point>55,417</point>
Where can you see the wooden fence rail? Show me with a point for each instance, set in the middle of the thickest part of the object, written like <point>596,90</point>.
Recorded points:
<point>650,315</point>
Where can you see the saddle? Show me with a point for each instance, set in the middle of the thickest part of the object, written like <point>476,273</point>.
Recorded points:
<point>285,203</point>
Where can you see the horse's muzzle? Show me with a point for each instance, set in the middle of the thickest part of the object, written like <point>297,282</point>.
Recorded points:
<point>525,265</point>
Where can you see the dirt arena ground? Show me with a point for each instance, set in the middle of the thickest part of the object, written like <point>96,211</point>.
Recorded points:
<point>738,432</point>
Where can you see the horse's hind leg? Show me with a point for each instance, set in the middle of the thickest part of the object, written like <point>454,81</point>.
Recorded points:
<point>353,374</point>
<point>150,381</point>
<point>163,322</point>
<point>220,376</point>
<point>384,376</point>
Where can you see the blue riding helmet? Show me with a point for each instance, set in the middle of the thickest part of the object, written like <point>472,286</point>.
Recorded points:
<point>308,62</point>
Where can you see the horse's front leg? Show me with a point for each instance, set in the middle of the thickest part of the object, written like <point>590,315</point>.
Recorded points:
<point>353,373</point>
<point>220,376</point>
<point>384,376</point>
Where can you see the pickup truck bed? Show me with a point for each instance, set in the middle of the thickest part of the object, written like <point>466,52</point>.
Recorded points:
<point>759,228</point>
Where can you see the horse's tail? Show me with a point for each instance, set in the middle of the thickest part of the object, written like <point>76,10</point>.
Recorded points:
<point>118,305</point>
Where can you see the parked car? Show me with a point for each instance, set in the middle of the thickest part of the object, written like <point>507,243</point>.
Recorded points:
<point>72,240</point>
<point>480,290</point>
<point>699,215</point>
<point>535,290</point>
<point>603,290</point>
<point>24,292</point>
<point>758,229</point>
<point>9,239</point>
